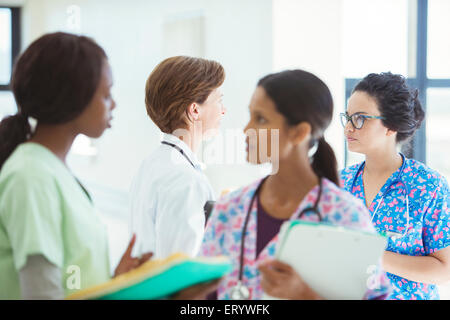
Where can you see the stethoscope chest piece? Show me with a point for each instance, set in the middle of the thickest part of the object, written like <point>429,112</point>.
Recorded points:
<point>239,292</point>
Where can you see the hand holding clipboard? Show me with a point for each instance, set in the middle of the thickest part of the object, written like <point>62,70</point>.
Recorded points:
<point>330,262</point>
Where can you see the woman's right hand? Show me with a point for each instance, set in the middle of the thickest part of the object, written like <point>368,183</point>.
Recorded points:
<point>127,262</point>
<point>280,280</point>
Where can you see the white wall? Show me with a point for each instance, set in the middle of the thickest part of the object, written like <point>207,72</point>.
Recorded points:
<point>307,35</point>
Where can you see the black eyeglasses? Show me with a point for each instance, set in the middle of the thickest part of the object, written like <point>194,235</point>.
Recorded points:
<point>356,119</point>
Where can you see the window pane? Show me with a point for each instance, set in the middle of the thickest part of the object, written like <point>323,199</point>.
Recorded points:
<point>7,104</point>
<point>438,39</point>
<point>5,45</point>
<point>375,37</point>
<point>438,130</point>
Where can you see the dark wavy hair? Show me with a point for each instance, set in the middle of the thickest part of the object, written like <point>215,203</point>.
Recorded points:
<point>301,96</point>
<point>53,81</point>
<point>398,103</point>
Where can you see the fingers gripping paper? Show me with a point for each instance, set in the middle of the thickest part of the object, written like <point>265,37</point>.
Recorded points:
<point>157,279</point>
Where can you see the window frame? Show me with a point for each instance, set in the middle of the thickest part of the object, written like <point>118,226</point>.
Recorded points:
<point>15,39</point>
<point>416,147</point>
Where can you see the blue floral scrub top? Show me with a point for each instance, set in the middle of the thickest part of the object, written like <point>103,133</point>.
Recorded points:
<point>429,224</point>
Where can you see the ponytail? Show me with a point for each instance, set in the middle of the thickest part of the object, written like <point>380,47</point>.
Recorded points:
<point>14,130</point>
<point>324,162</point>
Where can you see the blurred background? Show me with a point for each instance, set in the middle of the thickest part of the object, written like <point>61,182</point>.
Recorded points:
<point>340,41</point>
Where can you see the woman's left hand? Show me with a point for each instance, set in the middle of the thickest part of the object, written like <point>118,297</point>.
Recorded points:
<point>127,262</point>
<point>282,281</point>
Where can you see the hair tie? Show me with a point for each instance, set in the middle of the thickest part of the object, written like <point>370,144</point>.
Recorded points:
<point>313,149</point>
<point>28,121</point>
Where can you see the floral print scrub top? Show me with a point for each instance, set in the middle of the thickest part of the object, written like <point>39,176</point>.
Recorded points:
<point>429,221</point>
<point>225,226</point>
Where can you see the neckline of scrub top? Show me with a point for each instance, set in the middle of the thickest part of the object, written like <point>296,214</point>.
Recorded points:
<point>387,183</point>
<point>310,198</point>
<point>44,150</point>
<point>181,144</point>
<point>61,164</point>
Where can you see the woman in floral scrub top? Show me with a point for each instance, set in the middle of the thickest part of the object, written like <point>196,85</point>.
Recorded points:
<point>418,258</point>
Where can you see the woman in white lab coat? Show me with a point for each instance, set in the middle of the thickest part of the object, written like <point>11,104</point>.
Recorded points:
<point>169,192</point>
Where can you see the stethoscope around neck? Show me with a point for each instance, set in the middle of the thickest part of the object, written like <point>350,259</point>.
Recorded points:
<point>180,151</point>
<point>240,291</point>
<point>398,179</point>
<point>209,205</point>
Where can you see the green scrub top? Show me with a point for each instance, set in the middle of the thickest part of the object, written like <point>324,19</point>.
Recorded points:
<point>44,210</point>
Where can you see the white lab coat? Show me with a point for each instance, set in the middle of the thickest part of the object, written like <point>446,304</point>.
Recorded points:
<point>167,199</point>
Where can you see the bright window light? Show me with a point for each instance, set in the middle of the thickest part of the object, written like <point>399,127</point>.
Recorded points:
<point>438,39</point>
<point>375,37</point>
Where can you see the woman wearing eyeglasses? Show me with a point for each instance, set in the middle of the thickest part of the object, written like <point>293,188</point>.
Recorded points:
<point>407,200</point>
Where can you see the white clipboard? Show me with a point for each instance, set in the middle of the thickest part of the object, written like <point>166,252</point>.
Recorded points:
<point>336,262</point>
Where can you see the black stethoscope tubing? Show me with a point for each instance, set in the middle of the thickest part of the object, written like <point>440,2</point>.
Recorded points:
<point>180,150</point>
<point>209,205</point>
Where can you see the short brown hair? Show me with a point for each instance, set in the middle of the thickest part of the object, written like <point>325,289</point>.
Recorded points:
<point>176,83</point>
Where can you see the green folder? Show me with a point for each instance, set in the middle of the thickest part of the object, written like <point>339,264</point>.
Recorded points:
<point>158,279</point>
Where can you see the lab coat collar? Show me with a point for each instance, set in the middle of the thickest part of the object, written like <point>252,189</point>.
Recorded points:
<point>187,151</point>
